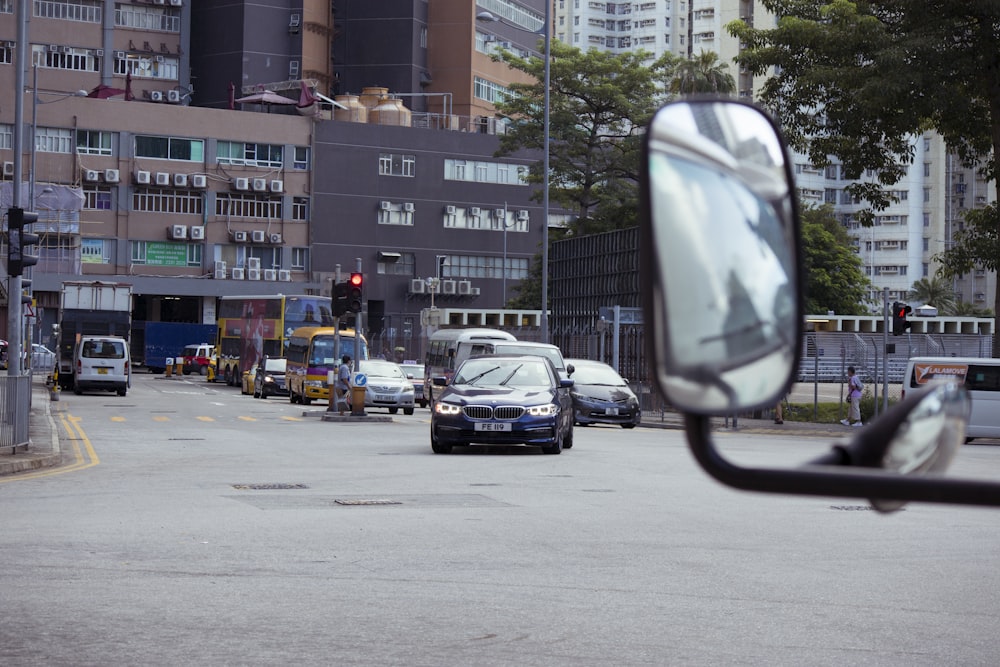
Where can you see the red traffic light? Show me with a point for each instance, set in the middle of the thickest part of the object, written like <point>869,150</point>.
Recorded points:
<point>354,298</point>
<point>356,280</point>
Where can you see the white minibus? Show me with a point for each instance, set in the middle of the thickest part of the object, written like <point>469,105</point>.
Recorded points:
<point>981,378</point>
<point>447,347</point>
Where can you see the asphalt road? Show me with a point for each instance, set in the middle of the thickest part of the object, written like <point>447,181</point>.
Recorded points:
<point>196,525</point>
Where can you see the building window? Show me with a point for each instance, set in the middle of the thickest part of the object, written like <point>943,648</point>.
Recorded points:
<point>404,266</point>
<point>270,258</point>
<point>93,142</point>
<point>478,266</point>
<point>144,66</point>
<point>251,155</point>
<point>88,11</point>
<point>300,209</point>
<point>6,136</point>
<point>390,164</point>
<point>6,6</point>
<point>53,140</point>
<point>480,171</point>
<point>66,57</point>
<point>6,53</point>
<point>155,200</point>
<point>300,259</point>
<point>143,17</point>
<point>239,205</point>
<point>97,198</point>
<point>390,213</point>
<point>490,91</point>
<point>301,160</point>
<point>170,148</point>
<point>95,251</point>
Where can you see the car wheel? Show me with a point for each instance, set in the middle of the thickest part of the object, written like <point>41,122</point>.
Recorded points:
<point>393,411</point>
<point>203,370</point>
<point>305,400</point>
<point>568,439</point>
<point>423,404</point>
<point>438,448</point>
<point>407,411</point>
<point>555,448</point>
<point>122,391</point>
<point>77,390</point>
<point>628,425</point>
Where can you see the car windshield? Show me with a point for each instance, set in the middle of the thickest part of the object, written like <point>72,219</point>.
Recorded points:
<point>597,374</point>
<point>519,373</point>
<point>551,353</point>
<point>382,369</point>
<point>275,365</point>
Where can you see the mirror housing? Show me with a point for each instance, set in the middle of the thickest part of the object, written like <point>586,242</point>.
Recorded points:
<point>720,262</point>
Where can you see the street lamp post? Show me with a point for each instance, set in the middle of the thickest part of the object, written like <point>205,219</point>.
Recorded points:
<point>546,108</point>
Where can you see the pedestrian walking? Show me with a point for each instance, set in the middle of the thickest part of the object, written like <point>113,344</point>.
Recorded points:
<point>344,385</point>
<point>854,390</point>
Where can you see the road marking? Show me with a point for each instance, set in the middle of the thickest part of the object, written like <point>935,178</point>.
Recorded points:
<point>161,419</point>
<point>117,419</point>
<point>205,419</point>
<point>248,419</point>
<point>82,458</point>
<point>291,419</point>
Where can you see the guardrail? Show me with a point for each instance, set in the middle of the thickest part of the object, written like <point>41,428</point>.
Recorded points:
<point>15,399</point>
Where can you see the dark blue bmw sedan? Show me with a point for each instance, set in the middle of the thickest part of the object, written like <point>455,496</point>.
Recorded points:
<point>503,400</point>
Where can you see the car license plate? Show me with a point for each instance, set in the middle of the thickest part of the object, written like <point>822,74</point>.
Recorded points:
<point>102,371</point>
<point>492,426</point>
<point>611,412</point>
<point>383,398</point>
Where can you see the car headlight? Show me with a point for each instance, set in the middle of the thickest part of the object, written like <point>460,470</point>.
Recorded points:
<point>546,410</point>
<point>319,384</point>
<point>268,378</point>
<point>447,408</point>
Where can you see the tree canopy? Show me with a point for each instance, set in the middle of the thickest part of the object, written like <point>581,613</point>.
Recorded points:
<point>857,81</point>
<point>834,279</point>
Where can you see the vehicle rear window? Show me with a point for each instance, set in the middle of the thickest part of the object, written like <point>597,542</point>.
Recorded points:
<point>103,349</point>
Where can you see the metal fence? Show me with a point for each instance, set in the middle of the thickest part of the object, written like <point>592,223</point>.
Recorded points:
<point>15,397</point>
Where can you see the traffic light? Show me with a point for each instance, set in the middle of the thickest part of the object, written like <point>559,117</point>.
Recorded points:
<point>341,294</point>
<point>355,292</point>
<point>899,313</point>
<point>18,240</point>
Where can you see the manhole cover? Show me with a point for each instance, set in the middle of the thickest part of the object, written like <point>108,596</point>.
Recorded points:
<point>268,487</point>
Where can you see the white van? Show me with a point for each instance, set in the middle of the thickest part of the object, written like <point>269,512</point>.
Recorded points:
<point>101,363</point>
<point>446,348</point>
<point>981,378</point>
<point>551,352</point>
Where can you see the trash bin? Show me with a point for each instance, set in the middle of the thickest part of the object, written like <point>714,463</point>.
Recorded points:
<point>358,400</point>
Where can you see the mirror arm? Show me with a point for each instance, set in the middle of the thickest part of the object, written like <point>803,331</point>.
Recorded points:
<point>819,478</point>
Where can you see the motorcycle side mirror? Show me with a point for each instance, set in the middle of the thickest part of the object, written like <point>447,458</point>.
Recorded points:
<point>721,265</point>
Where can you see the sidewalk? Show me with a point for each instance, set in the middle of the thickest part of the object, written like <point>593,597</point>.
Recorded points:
<point>43,430</point>
<point>675,420</point>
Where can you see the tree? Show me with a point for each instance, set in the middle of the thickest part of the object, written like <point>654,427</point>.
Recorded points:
<point>936,291</point>
<point>832,270</point>
<point>599,105</point>
<point>702,74</point>
<point>858,80</point>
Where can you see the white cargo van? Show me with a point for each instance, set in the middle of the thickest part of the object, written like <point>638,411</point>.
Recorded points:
<point>981,378</point>
<point>101,363</point>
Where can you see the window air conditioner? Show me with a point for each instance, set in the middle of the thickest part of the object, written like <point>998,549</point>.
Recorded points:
<point>53,47</point>
<point>176,3</point>
<point>277,186</point>
<point>522,215</point>
<point>408,207</point>
<point>162,178</point>
<point>240,237</point>
<point>220,272</point>
<point>500,214</point>
<point>385,205</point>
<point>270,274</point>
<point>8,168</point>
<point>178,232</point>
<point>275,239</point>
<point>284,276</point>
<point>450,210</point>
<point>142,177</point>
<point>197,233</point>
<point>173,96</point>
<point>433,288</point>
<point>417,286</point>
<point>464,287</point>
<point>474,211</point>
<point>258,236</point>
<point>112,175</point>
<point>199,181</point>
<point>260,185</point>
<point>448,287</point>
<point>180,180</point>
<point>119,55</point>
<point>91,175</point>
<point>238,273</point>
<point>241,183</point>
<point>474,291</point>
<point>293,68</point>
<point>253,263</point>
<point>156,95</point>
<point>253,274</point>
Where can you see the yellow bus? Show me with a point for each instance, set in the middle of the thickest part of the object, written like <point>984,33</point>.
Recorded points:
<point>251,327</point>
<point>311,355</point>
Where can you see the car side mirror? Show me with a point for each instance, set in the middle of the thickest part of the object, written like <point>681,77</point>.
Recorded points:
<point>720,265</point>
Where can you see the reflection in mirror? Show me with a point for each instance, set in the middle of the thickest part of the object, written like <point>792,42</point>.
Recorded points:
<point>721,257</point>
<point>926,441</point>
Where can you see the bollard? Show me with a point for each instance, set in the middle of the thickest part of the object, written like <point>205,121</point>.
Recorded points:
<point>169,370</point>
<point>358,401</point>
<point>210,376</point>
